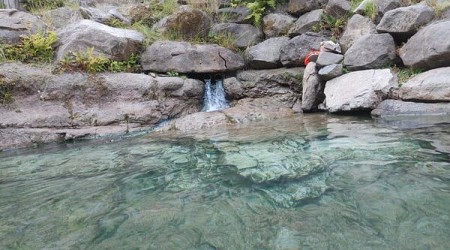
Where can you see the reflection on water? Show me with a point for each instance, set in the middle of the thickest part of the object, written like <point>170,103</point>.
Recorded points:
<point>320,182</point>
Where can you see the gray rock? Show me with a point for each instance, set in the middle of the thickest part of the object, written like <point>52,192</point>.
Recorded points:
<point>293,53</point>
<point>265,55</point>
<point>360,90</point>
<point>328,58</point>
<point>187,21</point>
<point>299,7</point>
<point>182,57</point>
<point>403,22</point>
<point>262,83</point>
<point>370,52</point>
<point>113,43</point>
<point>95,14</point>
<point>356,27</point>
<point>277,24</point>
<point>233,88</point>
<point>52,105</point>
<point>338,8</point>
<point>331,71</point>
<point>312,94</point>
<point>61,17</point>
<point>330,46</point>
<point>400,108</point>
<point>14,23</point>
<point>243,35</point>
<point>429,48</point>
<point>305,22</point>
<point>384,6</point>
<point>430,86</point>
<point>234,14</point>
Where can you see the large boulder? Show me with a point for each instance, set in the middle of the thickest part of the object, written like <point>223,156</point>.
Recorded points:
<point>403,22</point>
<point>283,84</point>
<point>429,48</point>
<point>182,57</point>
<point>293,53</point>
<point>186,21</point>
<point>237,14</point>
<point>430,86</point>
<point>243,35</point>
<point>360,90</point>
<point>277,24</point>
<point>299,7</point>
<point>312,86</point>
<point>67,106</point>
<point>305,22</point>
<point>265,55</point>
<point>370,52</point>
<point>14,23</point>
<point>338,8</point>
<point>113,43</point>
<point>357,26</point>
<point>397,108</point>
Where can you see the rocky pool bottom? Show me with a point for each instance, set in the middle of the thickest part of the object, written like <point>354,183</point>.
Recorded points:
<point>312,182</point>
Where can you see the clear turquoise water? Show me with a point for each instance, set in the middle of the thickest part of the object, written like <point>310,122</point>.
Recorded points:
<point>320,182</point>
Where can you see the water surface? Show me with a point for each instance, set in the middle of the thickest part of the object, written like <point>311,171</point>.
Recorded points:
<point>321,182</point>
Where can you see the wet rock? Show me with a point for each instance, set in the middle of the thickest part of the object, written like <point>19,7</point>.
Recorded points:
<point>429,48</point>
<point>402,23</point>
<point>293,53</point>
<point>328,58</point>
<point>265,55</point>
<point>243,35</point>
<point>338,8</point>
<point>305,22</point>
<point>243,112</point>
<point>371,51</point>
<point>402,108</point>
<point>331,71</point>
<point>182,57</point>
<point>360,90</point>
<point>187,21</point>
<point>356,27</point>
<point>14,23</point>
<point>234,14</point>
<point>277,24</point>
<point>430,86</point>
<point>299,7</point>
<point>113,43</point>
<point>312,87</point>
<point>61,17</point>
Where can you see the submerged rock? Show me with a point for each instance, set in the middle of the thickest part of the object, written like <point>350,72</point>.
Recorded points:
<point>402,108</point>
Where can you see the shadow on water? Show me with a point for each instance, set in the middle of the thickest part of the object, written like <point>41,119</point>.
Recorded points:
<point>312,182</point>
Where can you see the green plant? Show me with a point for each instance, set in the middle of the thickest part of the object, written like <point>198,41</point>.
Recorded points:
<point>173,74</point>
<point>333,24</point>
<point>371,10</point>
<point>89,62</point>
<point>404,74</point>
<point>32,48</point>
<point>224,39</point>
<point>5,91</point>
<point>33,5</point>
<point>355,4</point>
<point>257,8</point>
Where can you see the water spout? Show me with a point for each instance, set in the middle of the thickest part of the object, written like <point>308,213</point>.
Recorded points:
<point>214,97</point>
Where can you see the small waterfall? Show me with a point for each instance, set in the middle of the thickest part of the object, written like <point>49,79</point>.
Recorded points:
<point>214,97</point>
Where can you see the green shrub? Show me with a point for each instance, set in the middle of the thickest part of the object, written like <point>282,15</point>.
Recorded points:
<point>5,92</point>
<point>32,48</point>
<point>257,8</point>
<point>404,74</point>
<point>333,24</point>
<point>33,5</point>
<point>88,62</point>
